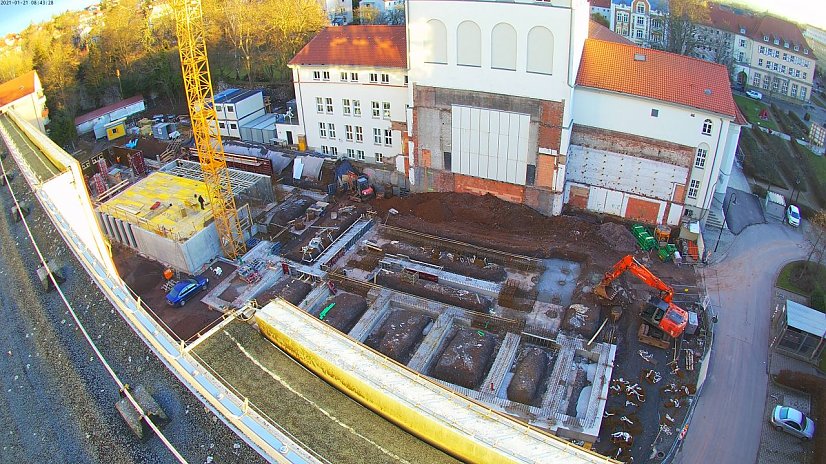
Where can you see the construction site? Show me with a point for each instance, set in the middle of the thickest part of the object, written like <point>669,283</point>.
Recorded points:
<point>486,298</point>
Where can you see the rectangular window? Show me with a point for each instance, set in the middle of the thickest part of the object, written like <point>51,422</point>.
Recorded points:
<point>356,108</point>
<point>803,93</point>
<point>232,125</point>
<point>760,62</point>
<point>222,125</point>
<point>332,129</point>
<point>374,78</point>
<point>755,81</point>
<point>377,136</point>
<point>348,133</point>
<point>794,90</point>
<point>784,87</point>
<point>376,109</point>
<point>230,109</point>
<point>359,134</point>
<point>334,151</point>
<point>344,77</point>
<point>325,75</point>
<point>360,154</point>
<point>322,130</point>
<point>385,78</point>
<point>345,106</point>
<point>325,149</point>
<point>655,112</point>
<point>447,161</point>
<point>700,160</point>
<point>329,102</point>
<point>385,110</point>
<point>388,137</point>
<point>351,153</point>
<point>379,157</point>
<point>742,42</point>
<point>640,21</point>
<point>707,127</point>
<point>316,75</point>
<point>762,50</point>
<point>319,104</point>
<point>639,33</point>
<point>804,76</point>
<point>219,108</point>
<point>694,189</point>
<point>354,77</point>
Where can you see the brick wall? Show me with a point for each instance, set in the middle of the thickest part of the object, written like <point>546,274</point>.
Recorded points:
<point>633,145</point>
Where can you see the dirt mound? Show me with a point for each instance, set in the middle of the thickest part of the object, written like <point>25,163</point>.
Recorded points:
<point>466,359</point>
<point>347,311</point>
<point>528,376</point>
<point>617,236</point>
<point>399,333</point>
<point>488,221</point>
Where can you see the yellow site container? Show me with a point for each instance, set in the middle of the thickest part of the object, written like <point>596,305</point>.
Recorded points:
<point>116,132</point>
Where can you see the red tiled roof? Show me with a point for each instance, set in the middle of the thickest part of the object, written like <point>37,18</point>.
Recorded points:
<point>658,75</point>
<point>16,88</point>
<point>107,109</point>
<point>380,46</point>
<point>601,3</point>
<point>600,32</point>
<point>740,118</point>
<point>724,18</point>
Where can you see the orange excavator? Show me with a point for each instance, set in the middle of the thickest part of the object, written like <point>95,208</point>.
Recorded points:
<point>661,312</point>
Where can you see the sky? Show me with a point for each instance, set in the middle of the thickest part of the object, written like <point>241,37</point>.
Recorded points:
<point>15,18</point>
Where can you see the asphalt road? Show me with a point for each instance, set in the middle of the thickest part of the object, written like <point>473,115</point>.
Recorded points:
<point>728,419</point>
<point>56,400</point>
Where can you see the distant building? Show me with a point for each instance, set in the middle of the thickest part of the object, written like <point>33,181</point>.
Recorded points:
<point>602,8</point>
<point>767,53</point>
<point>642,21</point>
<point>24,95</point>
<point>340,12</point>
<point>235,108</point>
<point>351,90</point>
<point>98,119</point>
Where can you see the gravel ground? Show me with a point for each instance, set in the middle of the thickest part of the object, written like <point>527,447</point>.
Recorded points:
<point>57,401</point>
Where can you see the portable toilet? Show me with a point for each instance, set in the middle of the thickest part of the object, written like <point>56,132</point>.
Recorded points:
<point>116,129</point>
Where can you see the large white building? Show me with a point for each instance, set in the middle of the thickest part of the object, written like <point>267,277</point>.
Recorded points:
<point>641,21</point>
<point>514,99</point>
<point>24,95</point>
<point>351,90</point>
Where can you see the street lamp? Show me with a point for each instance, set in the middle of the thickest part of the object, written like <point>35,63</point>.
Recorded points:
<point>732,197</point>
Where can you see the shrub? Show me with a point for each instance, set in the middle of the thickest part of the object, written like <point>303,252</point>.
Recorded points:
<point>818,300</point>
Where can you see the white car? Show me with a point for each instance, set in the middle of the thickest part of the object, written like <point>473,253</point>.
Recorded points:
<point>754,94</point>
<point>792,421</point>
<point>793,216</point>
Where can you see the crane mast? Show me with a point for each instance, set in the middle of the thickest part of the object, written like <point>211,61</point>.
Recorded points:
<point>189,27</point>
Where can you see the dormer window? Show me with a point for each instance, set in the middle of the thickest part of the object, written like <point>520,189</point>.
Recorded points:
<point>765,38</point>
<point>796,47</point>
<point>777,41</point>
<point>743,30</point>
<point>786,44</point>
<point>805,51</point>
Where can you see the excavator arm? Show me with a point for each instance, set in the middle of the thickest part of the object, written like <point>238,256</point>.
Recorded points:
<point>629,263</point>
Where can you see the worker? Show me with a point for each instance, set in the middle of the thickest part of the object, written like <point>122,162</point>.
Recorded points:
<point>200,200</point>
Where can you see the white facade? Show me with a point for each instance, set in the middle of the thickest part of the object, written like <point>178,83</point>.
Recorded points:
<point>236,109</point>
<point>713,137</point>
<point>338,11</point>
<point>348,111</point>
<point>641,21</point>
<point>32,107</point>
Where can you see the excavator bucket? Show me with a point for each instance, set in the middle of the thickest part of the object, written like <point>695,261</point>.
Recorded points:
<point>606,291</point>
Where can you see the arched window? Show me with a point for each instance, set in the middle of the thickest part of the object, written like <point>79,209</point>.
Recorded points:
<point>436,42</point>
<point>540,50</point>
<point>707,127</point>
<point>503,47</point>
<point>469,44</point>
<point>702,154</point>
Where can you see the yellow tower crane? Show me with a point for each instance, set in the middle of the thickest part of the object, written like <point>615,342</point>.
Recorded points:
<point>189,26</point>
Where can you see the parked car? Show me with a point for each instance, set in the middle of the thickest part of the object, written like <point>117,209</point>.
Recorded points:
<point>754,94</point>
<point>792,421</point>
<point>186,289</point>
<point>793,215</point>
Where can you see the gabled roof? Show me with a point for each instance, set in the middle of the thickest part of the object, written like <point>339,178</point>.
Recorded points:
<point>756,27</point>
<point>107,109</point>
<point>16,88</point>
<point>600,32</point>
<point>658,75</point>
<point>379,46</point>
<point>656,5</point>
<point>601,3</point>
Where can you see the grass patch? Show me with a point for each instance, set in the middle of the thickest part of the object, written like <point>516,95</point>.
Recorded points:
<point>788,123</point>
<point>793,279</point>
<point>751,109</point>
<point>762,159</point>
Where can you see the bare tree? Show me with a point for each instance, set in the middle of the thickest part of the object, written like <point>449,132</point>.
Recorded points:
<point>681,23</point>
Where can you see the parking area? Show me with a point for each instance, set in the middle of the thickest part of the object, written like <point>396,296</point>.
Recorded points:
<point>778,447</point>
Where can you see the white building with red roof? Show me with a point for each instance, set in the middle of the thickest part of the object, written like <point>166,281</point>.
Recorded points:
<point>24,94</point>
<point>351,90</point>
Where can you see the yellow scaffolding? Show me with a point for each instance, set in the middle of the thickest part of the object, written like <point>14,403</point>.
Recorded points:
<point>189,25</point>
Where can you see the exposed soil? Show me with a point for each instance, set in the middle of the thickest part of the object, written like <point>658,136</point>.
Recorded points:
<point>435,291</point>
<point>290,289</point>
<point>451,262</point>
<point>347,311</point>
<point>400,333</point>
<point>531,368</point>
<point>466,359</point>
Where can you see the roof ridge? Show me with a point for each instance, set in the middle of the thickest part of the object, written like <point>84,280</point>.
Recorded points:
<point>665,52</point>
